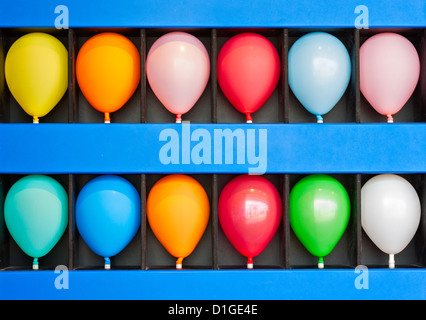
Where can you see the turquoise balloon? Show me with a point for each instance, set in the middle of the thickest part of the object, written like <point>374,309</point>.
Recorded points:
<point>319,70</point>
<point>2,225</point>
<point>36,214</point>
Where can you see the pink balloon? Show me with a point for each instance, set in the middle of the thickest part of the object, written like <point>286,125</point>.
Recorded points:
<point>389,72</point>
<point>178,69</point>
<point>250,212</point>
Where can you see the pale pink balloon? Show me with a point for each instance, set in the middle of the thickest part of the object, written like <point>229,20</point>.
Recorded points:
<point>178,69</point>
<point>389,72</point>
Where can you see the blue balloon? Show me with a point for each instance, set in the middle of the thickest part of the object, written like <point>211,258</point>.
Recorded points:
<point>319,70</point>
<point>108,215</point>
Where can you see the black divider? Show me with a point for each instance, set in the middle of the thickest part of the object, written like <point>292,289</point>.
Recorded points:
<point>214,250</point>
<point>214,178</point>
<point>4,92</point>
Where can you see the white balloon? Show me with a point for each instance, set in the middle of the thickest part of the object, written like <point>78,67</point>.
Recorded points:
<point>390,213</point>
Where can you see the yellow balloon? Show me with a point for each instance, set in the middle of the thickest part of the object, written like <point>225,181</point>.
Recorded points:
<point>36,71</point>
<point>2,57</point>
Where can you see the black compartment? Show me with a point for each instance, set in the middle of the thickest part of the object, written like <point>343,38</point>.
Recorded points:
<point>82,256</point>
<point>11,111</point>
<point>83,111</point>
<point>272,111</point>
<point>202,110</point>
<point>413,256</point>
<point>344,254</point>
<point>11,256</point>
<point>345,111</point>
<point>202,257</point>
<point>412,110</point>
<point>273,256</point>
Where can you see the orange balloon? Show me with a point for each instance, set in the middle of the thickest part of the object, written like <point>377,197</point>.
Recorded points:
<point>108,71</point>
<point>178,212</point>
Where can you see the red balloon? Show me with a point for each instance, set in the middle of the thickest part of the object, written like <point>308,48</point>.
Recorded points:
<point>250,212</point>
<point>248,70</point>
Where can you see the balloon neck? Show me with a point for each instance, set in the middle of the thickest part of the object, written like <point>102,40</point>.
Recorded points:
<point>391,261</point>
<point>320,263</point>
<point>107,263</point>
<point>35,264</point>
<point>250,263</point>
<point>107,118</point>
<point>319,119</point>
<point>35,119</point>
<point>179,264</point>
<point>178,118</point>
<point>249,118</point>
<point>390,118</point>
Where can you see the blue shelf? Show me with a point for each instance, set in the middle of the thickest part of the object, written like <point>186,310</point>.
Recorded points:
<point>333,284</point>
<point>285,148</point>
<point>303,148</point>
<point>215,13</point>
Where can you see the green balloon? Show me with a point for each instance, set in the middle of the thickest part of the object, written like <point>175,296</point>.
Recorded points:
<point>319,213</point>
<point>36,214</point>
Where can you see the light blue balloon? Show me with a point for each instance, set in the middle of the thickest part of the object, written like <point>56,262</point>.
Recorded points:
<point>36,214</point>
<point>319,70</point>
<point>108,214</point>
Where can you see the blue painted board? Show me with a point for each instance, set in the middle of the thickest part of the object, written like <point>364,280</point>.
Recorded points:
<point>335,284</point>
<point>212,148</point>
<point>213,13</point>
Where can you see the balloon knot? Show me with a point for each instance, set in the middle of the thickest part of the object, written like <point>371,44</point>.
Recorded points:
<point>250,263</point>
<point>319,119</point>
<point>35,119</point>
<point>179,263</point>
<point>390,118</point>
<point>320,263</point>
<point>249,118</point>
<point>35,264</point>
<point>178,118</point>
<point>391,261</point>
<point>107,263</point>
<point>107,118</point>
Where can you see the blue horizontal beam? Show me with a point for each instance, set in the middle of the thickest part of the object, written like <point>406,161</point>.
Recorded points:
<point>212,148</point>
<point>335,284</point>
<point>214,13</point>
